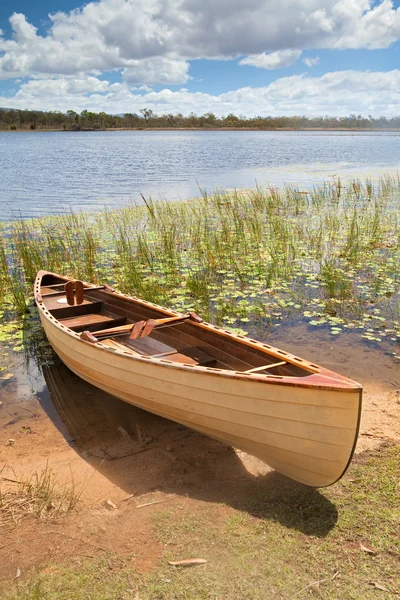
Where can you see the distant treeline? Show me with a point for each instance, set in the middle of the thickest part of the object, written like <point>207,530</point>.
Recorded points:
<point>87,121</point>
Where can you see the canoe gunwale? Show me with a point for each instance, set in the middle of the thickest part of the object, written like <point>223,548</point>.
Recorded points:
<point>319,377</point>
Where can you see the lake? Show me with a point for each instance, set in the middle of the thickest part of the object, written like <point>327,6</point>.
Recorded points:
<point>52,172</point>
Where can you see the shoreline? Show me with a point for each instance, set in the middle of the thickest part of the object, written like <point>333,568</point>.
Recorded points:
<point>345,176</point>
<point>280,129</point>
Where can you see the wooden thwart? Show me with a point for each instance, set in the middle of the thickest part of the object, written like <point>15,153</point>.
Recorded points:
<point>105,286</point>
<point>61,292</point>
<point>113,331</point>
<point>264,367</point>
<point>144,328</point>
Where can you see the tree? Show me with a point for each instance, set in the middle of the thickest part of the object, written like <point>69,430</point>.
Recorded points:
<point>147,114</point>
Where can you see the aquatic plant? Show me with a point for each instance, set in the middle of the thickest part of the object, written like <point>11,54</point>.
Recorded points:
<point>246,259</point>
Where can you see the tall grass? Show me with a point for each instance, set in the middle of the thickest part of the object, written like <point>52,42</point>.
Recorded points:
<point>205,252</point>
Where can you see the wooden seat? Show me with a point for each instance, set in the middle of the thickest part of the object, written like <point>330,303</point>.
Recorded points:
<point>150,347</point>
<point>92,322</point>
<point>48,290</point>
<point>61,310</point>
<point>192,356</point>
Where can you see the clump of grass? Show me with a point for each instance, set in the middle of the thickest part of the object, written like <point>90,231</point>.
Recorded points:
<point>18,293</point>
<point>334,280</point>
<point>40,496</point>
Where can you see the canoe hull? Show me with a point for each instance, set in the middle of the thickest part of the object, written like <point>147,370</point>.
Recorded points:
<point>306,433</point>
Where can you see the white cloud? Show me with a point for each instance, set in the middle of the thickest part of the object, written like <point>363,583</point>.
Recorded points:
<point>311,62</point>
<point>66,87</point>
<point>337,93</point>
<point>22,30</point>
<point>118,34</point>
<point>274,60</point>
<point>164,71</point>
<point>377,27</point>
<point>140,88</point>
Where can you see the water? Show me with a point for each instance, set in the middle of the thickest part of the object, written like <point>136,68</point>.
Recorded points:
<point>47,173</point>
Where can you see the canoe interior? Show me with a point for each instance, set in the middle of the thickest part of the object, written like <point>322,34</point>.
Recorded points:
<point>182,343</point>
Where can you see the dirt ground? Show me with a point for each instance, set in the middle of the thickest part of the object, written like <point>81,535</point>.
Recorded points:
<point>140,462</point>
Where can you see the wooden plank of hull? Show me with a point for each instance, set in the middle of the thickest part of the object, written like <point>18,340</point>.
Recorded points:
<point>319,473</point>
<point>324,424</point>
<point>159,379</point>
<point>306,434</point>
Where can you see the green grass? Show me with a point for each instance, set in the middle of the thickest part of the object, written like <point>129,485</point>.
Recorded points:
<point>277,545</point>
<point>200,253</point>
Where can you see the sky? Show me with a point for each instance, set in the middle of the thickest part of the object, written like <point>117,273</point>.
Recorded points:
<point>247,57</point>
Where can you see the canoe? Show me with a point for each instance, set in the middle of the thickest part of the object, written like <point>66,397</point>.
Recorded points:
<point>298,417</point>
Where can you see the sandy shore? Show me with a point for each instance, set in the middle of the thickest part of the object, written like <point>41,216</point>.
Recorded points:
<point>116,452</point>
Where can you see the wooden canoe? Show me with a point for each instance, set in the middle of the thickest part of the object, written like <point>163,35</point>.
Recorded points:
<point>298,417</point>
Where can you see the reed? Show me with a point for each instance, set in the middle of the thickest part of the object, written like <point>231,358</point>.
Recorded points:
<point>4,273</point>
<point>336,246</point>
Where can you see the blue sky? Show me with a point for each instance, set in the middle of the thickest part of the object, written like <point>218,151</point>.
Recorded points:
<point>255,57</point>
